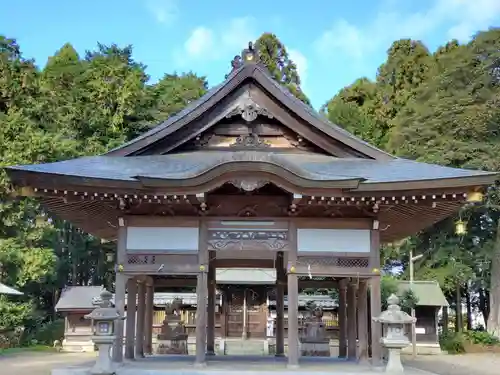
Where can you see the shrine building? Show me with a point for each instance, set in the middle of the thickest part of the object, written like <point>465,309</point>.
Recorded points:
<point>248,176</point>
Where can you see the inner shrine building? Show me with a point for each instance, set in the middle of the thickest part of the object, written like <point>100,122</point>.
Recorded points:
<point>248,176</point>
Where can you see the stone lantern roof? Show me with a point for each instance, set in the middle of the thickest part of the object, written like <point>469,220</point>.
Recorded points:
<point>105,311</point>
<point>394,314</point>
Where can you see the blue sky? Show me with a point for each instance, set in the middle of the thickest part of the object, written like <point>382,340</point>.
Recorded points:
<point>333,42</point>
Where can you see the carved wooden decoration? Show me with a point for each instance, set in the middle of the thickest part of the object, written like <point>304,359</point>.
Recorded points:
<point>249,184</point>
<point>244,240</point>
<point>248,110</point>
<point>249,141</point>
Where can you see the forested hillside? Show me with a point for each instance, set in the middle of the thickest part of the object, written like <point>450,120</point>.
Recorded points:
<point>438,106</point>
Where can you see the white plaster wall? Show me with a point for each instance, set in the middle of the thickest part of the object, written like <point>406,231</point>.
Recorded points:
<point>334,240</point>
<point>162,239</point>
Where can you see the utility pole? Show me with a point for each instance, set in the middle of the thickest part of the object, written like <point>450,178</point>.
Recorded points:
<point>413,259</point>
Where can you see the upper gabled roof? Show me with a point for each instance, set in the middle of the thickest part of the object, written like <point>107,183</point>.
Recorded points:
<point>258,74</point>
<point>78,298</point>
<point>4,289</point>
<point>428,293</point>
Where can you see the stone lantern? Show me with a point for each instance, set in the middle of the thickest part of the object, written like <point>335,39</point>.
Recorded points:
<point>103,319</point>
<point>394,339</point>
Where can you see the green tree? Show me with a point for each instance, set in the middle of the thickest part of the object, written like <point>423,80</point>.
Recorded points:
<point>453,120</point>
<point>274,56</point>
<point>173,93</point>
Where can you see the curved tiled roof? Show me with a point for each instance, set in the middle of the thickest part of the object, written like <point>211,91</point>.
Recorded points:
<point>314,167</point>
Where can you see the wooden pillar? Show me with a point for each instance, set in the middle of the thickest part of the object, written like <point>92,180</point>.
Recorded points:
<point>211,305</point>
<point>244,331</point>
<point>293,301</point>
<point>148,331</point>
<point>351,321</point>
<point>141,319</point>
<point>343,318</point>
<point>363,321</point>
<point>202,296</point>
<point>120,291</point>
<point>376,309</point>
<point>223,314</point>
<point>131,311</point>
<point>280,304</point>
<point>375,298</point>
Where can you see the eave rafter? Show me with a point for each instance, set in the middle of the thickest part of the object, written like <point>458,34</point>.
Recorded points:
<point>392,198</point>
<point>97,212</point>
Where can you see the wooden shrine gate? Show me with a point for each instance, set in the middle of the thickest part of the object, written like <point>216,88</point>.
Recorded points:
<point>246,312</point>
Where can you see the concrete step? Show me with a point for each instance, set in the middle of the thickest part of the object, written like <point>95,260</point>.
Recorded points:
<point>244,347</point>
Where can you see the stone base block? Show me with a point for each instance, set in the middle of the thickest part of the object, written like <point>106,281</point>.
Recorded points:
<point>78,346</point>
<point>71,371</point>
<point>172,347</point>
<point>424,349</point>
<point>301,370</point>
<point>315,349</point>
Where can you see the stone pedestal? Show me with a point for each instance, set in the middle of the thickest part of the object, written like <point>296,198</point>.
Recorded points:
<point>314,343</point>
<point>103,364</point>
<point>173,336</point>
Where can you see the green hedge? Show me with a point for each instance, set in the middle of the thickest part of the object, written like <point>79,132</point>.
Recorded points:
<point>455,343</point>
<point>46,333</point>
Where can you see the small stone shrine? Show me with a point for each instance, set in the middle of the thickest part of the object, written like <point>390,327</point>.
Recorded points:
<point>394,339</point>
<point>173,336</point>
<point>314,342</point>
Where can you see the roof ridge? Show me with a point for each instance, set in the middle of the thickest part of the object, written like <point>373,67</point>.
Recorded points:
<point>281,93</point>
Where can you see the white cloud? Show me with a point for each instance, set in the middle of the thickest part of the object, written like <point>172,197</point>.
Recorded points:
<point>216,43</point>
<point>164,11</point>
<point>238,33</point>
<point>459,18</point>
<point>200,42</point>
<point>472,16</point>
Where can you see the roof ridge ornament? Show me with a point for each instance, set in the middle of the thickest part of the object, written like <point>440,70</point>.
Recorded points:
<point>249,55</point>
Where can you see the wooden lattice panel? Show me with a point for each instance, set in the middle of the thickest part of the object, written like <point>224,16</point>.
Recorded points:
<point>140,259</point>
<point>332,261</point>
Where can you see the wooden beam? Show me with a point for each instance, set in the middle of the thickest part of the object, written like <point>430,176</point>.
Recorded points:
<point>175,283</point>
<point>161,221</point>
<point>317,284</point>
<point>167,269</point>
<point>244,263</point>
<point>332,271</point>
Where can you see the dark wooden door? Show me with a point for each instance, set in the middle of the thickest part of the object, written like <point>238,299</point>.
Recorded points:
<point>249,301</point>
<point>256,312</point>
<point>235,313</point>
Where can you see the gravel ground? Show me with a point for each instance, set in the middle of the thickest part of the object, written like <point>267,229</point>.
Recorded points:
<point>469,364</point>
<point>465,364</point>
<point>33,363</point>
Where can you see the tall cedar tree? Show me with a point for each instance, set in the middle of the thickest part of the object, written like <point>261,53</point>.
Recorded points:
<point>274,56</point>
